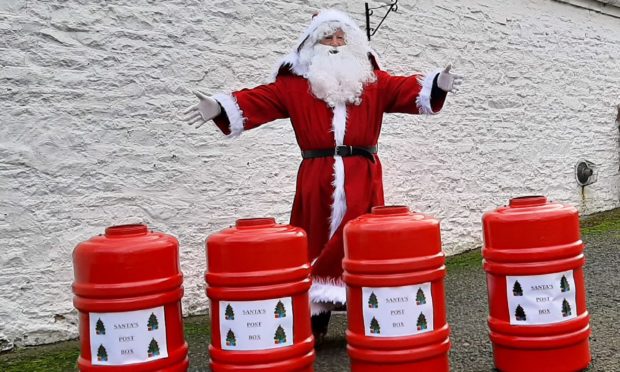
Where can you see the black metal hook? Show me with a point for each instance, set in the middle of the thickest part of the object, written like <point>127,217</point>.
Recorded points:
<point>393,6</point>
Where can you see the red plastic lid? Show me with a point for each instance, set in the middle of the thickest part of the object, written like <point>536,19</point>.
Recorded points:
<point>255,222</point>
<point>126,230</point>
<point>390,210</point>
<point>528,201</point>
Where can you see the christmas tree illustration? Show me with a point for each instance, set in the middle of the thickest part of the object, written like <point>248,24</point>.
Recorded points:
<point>102,354</point>
<point>566,310</point>
<point>516,289</point>
<point>229,314</point>
<point>421,322</point>
<point>372,301</point>
<point>280,311</point>
<point>374,326</point>
<point>152,323</point>
<point>230,338</point>
<point>153,349</point>
<point>564,286</point>
<point>280,336</point>
<point>99,327</point>
<point>520,313</point>
<point>420,299</point>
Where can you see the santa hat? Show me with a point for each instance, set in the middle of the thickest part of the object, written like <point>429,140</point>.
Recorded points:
<point>291,62</point>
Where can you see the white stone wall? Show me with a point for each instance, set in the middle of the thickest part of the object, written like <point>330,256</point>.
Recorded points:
<point>89,136</point>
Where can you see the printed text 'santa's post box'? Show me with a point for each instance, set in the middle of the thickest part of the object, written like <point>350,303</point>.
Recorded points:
<point>394,271</point>
<point>128,289</point>
<point>533,257</point>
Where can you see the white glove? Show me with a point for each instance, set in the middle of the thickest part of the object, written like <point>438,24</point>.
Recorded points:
<point>449,82</point>
<point>203,111</point>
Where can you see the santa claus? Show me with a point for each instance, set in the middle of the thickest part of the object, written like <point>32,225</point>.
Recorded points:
<point>335,94</point>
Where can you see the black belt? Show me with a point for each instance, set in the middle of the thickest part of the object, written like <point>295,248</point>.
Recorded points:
<point>343,151</point>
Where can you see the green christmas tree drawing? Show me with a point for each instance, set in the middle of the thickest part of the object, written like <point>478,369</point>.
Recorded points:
<point>420,299</point>
<point>517,290</point>
<point>374,326</point>
<point>229,314</point>
<point>564,286</point>
<point>152,323</point>
<point>520,313</point>
<point>102,354</point>
<point>280,311</point>
<point>372,301</point>
<point>153,349</point>
<point>566,310</point>
<point>99,327</point>
<point>230,338</point>
<point>422,325</point>
<point>280,336</point>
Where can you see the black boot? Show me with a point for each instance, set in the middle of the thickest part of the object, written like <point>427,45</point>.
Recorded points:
<point>319,326</point>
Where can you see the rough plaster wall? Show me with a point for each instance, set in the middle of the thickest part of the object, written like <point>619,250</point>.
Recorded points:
<point>89,138</point>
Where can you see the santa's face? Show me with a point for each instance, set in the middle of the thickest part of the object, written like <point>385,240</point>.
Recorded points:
<point>336,39</point>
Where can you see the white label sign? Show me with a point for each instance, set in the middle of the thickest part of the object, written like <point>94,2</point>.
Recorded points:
<point>397,311</point>
<point>541,299</point>
<point>128,337</point>
<point>256,325</point>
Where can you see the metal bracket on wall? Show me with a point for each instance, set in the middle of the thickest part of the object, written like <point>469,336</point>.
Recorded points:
<point>393,6</point>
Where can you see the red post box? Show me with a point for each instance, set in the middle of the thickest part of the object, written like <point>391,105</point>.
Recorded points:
<point>394,271</point>
<point>533,257</point>
<point>258,277</point>
<point>128,289</point>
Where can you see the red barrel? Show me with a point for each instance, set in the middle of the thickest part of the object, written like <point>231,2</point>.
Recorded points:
<point>128,289</point>
<point>533,257</point>
<point>258,278</point>
<point>394,271</point>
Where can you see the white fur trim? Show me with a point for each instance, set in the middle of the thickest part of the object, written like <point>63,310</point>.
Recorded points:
<point>325,294</point>
<point>375,55</point>
<point>317,308</point>
<point>325,15</point>
<point>339,123</point>
<point>423,102</point>
<point>339,205</point>
<point>234,113</point>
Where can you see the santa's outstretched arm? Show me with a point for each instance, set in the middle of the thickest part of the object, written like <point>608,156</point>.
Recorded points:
<point>239,111</point>
<point>417,94</point>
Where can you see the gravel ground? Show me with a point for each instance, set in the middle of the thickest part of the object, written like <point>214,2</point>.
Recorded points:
<point>466,284</point>
<point>467,313</point>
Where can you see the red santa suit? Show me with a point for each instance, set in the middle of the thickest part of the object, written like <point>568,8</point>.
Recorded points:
<point>330,191</point>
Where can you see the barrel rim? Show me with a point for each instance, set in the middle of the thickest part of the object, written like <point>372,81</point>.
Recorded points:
<point>121,231</point>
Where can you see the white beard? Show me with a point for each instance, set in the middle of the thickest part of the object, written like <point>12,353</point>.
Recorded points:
<point>338,78</point>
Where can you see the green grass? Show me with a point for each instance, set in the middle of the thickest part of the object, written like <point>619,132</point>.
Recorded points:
<point>61,356</point>
<point>198,336</point>
<point>467,260</point>
<point>600,223</point>
<point>196,326</point>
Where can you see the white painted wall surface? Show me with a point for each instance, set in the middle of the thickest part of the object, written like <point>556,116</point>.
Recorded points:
<point>89,138</point>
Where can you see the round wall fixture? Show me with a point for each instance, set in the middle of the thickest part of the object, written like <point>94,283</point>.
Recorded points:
<point>586,172</point>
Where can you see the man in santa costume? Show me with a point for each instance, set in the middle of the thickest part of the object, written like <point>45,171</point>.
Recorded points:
<point>335,94</point>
